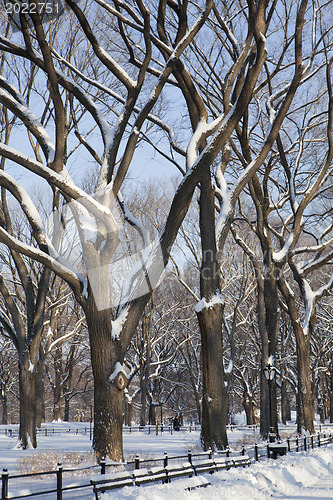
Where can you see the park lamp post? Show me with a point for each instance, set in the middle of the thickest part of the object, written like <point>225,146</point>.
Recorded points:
<point>270,372</point>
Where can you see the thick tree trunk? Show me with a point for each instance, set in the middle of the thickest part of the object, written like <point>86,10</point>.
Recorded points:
<point>214,401</point>
<point>248,405</point>
<point>27,430</point>
<point>305,411</point>
<point>210,317</point>
<point>152,413</point>
<point>108,398</point>
<point>272,317</point>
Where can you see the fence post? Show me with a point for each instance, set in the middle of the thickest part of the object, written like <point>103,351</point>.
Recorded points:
<point>243,450</point>
<point>4,489</point>
<point>137,462</point>
<point>59,482</point>
<point>210,453</point>
<point>312,443</point>
<point>268,451</point>
<point>103,465</point>
<point>228,452</point>
<point>288,444</point>
<point>156,425</point>
<point>165,460</point>
<point>305,443</point>
<point>189,456</point>
<point>256,455</point>
<point>297,449</point>
<point>318,440</point>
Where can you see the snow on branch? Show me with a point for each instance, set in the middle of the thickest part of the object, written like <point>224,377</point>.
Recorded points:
<point>17,105</point>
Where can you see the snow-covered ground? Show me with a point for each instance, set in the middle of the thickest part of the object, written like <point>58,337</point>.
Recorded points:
<point>296,476</point>
<point>303,475</point>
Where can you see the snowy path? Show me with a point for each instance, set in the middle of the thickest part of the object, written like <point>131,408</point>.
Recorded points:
<point>321,488</point>
<point>302,476</point>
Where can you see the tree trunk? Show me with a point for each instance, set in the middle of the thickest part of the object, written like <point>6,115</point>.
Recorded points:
<point>305,411</point>
<point>321,411</point>
<point>57,389</point>
<point>40,393</point>
<point>143,405</point>
<point>66,408</point>
<point>4,406</point>
<point>27,430</point>
<point>152,413</point>
<point>108,398</point>
<point>248,406</point>
<point>128,412</point>
<point>214,400</point>
<point>210,317</point>
<point>285,405</point>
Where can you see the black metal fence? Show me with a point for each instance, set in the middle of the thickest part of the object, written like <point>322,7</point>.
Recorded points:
<point>83,430</point>
<point>74,483</point>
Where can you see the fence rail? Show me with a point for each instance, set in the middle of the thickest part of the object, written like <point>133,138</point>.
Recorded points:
<point>73,483</point>
<point>86,429</point>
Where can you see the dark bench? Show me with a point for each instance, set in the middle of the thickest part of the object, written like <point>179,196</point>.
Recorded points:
<point>277,449</point>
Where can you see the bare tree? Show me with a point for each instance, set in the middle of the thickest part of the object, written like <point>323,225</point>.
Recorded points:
<point>135,92</point>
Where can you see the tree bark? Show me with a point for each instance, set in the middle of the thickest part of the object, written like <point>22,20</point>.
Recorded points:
<point>108,399</point>
<point>66,408</point>
<point>210,317</point>
<point>27,430</point>
<point>57,389</point>
<point>214,400</point>
<point>305,411</point>
<point>152,413</point>
<point>40,394</point>
<point>128,412</point>
<point>285,405</point>
<point>4,398</point>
